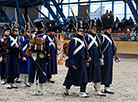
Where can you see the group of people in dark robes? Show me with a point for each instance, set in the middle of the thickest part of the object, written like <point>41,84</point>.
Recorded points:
<point>32,58</point>
<point>32,63</point>
<point>99,69</point>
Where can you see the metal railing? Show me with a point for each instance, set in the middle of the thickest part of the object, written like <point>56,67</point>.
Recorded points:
<point>116,36</point>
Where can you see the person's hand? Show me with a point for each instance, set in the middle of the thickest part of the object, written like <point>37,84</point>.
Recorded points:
<point>74,67</point>
<point>89,59</point>
<point>24,59</point>
<point>88,64</point>
<point>2,40</point>
<point>47,63</point>
<point>17,46</point>
<point>102,56</point>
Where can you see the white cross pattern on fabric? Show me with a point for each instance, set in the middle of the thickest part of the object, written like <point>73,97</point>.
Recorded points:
<point>80,47</point>
<point>105,36</point>
<point>14,41</point>
<point>51,42</point>
<point>92,42</point>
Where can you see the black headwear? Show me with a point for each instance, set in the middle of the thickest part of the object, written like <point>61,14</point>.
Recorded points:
<point>51,25</point>
<point>6,27</point>
<point>107,20</point>
<point>39,23</point>
<point>15,27</point>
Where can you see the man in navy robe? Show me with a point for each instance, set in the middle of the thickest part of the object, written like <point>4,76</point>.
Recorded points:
<point>77,72</point>
<point>94,69</point>
<point>38,60</point>
<point>108,50</point>
<point>25,65</point>
<point>52,65</point>
<point>12,68</point>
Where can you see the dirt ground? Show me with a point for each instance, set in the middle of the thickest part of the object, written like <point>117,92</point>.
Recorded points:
<point>125,86</point>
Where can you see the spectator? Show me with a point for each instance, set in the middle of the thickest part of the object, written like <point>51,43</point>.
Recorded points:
<point>64,28</point>
<point>116,24</point>
<point>98,22</point>
<point>124,21</point>
<point>72,32</point>
<point>71,21</point>
<point>85,25</point>
<point>70,26</point>
<point>117,20</point>
<point>133,35</point>
<point>59,28</point>
<point>128,34</point>
<point>130,21</point>
<point>120,25</point>
<point>67,25</point>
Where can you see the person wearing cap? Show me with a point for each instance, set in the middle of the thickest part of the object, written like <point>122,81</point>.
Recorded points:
<point>52,65</point>
<point>25,65</point>
<point>77,72</point>
<point>3,53</point>
<point>12,68</point>
<point>94,69</point>
<point>38,60</point>
<point>108,51</point>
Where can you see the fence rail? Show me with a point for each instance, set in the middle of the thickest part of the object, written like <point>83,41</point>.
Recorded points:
<point>117,36</point>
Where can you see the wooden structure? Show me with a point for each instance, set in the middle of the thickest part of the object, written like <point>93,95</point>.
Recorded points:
<point>127,47</point>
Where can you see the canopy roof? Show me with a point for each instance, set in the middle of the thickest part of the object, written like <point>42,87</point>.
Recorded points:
<point>22,3</point>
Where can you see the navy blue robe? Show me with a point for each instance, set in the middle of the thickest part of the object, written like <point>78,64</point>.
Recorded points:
<point>107,69</point>
<point>42,63</point>
<point>94,69</point>
<point>24,66</point>
<point>52,64</point>
<point>76,76</point>
<point>12,65</point>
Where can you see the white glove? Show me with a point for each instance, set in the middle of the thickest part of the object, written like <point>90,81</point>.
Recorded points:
<point>1,59</point>
<point>101,62</point>
<point>2,40</point>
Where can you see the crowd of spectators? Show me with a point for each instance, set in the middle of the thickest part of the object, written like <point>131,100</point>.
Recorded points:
<point>68,29</point>
<point>130,35</point>
<point>119,25</point>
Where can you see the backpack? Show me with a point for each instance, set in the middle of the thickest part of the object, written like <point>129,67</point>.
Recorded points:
<point>37,44</point>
